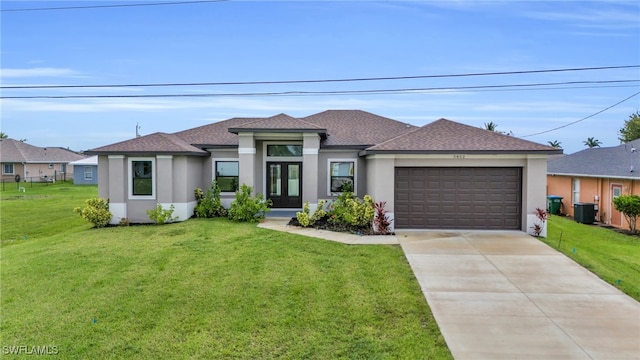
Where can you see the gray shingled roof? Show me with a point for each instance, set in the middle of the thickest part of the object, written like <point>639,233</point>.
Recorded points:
<point>279,123</point>
<point>338,128</point>
<point>448,136</point>
<point>14,151</point>
<point>216,134</point>
<point>612,162</point>
<point>156,143</point>
<point>357,128</point>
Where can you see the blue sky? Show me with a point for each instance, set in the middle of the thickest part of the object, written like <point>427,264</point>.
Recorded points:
<point>239,41</point>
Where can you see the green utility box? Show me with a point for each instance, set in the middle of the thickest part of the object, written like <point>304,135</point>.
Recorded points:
<point>584,213</point>
<point>554,203</point>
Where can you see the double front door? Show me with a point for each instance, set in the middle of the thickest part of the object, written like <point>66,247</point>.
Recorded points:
<point>284,184</point>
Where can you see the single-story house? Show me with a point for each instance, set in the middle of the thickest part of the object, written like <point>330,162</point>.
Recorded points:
<point>441,175</point>
<point>33,163</point>
<point>85,171</point>
<point>596,175</point>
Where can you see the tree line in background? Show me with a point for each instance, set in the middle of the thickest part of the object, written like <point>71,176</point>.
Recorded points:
<point>629,132</point>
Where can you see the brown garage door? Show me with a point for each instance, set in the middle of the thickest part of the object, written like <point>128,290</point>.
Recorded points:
<point>458,198</point>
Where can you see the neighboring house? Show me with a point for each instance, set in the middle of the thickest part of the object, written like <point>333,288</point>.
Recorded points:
<point>442,175</point>
<point>85,171</point>
<point>33,163</point>
<point>596,175</point>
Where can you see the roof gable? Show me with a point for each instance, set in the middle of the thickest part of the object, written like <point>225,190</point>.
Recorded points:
<point>156,143</point>
<point>279,123</point>
<point>449,136</point>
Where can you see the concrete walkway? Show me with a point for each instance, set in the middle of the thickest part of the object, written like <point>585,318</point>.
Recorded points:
<point>506,295</point>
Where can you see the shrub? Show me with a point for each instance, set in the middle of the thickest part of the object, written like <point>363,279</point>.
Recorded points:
<point>629,206</point>
<point>209,204</point>
<point>305,219</point>
<point>351,212</point>
<point>247,208</point>
<point>161,215</point>
<point>96,212</point>
<point>381,222</point>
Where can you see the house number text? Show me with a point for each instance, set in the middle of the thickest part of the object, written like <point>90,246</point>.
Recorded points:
<point>458,156</point>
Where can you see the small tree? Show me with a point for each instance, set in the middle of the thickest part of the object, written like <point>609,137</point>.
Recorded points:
<point>631,129</point>
<point>629,206</point>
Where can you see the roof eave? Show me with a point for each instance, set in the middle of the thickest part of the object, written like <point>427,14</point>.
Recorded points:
<point>321,132</point>
<point>601,176</point>
<point>147,153</point>
<point>467,152</point>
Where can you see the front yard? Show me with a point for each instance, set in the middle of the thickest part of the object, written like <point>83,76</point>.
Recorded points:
<point>614,257</point>
<point>200,289</point>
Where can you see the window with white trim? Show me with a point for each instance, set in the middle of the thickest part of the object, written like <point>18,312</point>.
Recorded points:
<point>227,175</point>
<point>575,195</point>
<point>7,169</point>
<point>88,172</point>
<point>341,176</point>
<point>142,181</point>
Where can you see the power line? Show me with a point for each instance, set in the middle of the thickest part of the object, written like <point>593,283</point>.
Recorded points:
<point>412,77</point>
<point>112,6</point>
<point>584,118</point>
<point>327,92</point>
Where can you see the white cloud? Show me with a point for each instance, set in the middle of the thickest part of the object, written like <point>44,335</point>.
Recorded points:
<point>36,72</point>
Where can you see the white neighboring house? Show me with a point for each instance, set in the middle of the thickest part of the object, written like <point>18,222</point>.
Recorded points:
<point>85,171</point>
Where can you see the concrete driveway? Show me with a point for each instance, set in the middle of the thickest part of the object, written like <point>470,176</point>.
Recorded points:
<point>506,295</point>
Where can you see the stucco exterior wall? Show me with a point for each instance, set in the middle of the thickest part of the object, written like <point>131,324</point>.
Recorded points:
<point>79,172</point>
<point>324,157</point>
<point>533,176</point>
<point>593,190</point>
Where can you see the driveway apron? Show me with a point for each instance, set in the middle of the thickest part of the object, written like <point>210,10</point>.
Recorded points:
<point>507,295</point>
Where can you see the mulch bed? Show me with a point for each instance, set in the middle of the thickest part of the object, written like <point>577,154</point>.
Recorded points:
<point>324,224</point>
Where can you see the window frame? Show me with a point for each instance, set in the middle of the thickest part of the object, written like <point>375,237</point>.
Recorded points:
<point>575,190</point>
<point>13,169</point>
<point>130,174</point>
<point>330,176</point>
<point>215,172</point>
<point>90,168</point>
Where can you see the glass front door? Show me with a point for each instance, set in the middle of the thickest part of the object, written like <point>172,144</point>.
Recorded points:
<point>284,184</point>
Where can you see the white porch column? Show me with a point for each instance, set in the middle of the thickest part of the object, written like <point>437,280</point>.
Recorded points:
<point>380,181</point>
<point>534,190</point>
<point>310,149</point>
<point>246,156</point>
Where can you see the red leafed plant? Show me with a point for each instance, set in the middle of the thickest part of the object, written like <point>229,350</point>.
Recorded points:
<point>537,227</point>
<point>381,222</point>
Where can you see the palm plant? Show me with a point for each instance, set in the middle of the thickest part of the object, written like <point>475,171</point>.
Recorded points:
<point>592,142</point>
<point>555,144</point>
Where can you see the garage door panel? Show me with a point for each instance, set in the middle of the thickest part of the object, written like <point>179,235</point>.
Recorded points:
<point>458,198</point>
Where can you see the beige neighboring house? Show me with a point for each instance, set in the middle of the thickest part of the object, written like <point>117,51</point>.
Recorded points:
<point>33,163</point>
<point>444,175</point>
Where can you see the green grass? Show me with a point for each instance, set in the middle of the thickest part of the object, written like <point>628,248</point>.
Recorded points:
<point>200,289</point>
<point>612,256</point>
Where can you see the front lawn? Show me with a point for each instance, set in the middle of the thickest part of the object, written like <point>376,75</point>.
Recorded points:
<point>203,289</point>
<point>612,256</point>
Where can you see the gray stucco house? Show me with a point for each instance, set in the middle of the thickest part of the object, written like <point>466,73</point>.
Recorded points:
<point>441,175</point>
